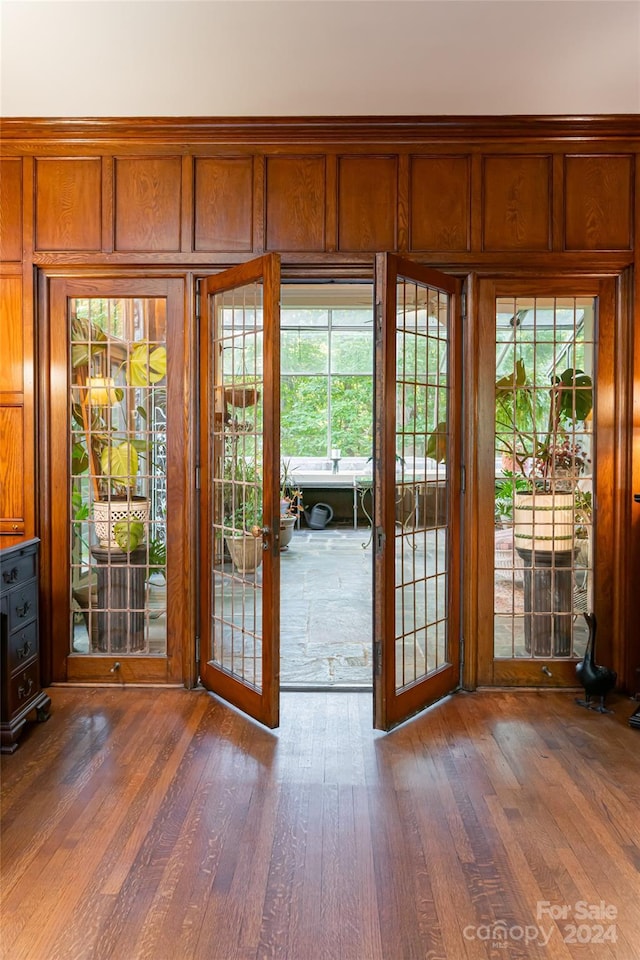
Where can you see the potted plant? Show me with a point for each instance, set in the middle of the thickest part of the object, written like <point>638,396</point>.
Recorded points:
<point>549,461</point>
<point>290,504</point>
<point>548,505</point>
<point>241,505</point>
<point>108,420</point>
<point>243,532</point>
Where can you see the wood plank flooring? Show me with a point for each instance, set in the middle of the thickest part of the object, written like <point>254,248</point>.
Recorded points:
<point>145,823</point>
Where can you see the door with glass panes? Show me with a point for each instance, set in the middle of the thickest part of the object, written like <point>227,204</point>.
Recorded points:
<point>417,494</point>
<point>239,499</point>
<point>544,419</point>
<point>416,560</point>
<point>116,494</point>
<point>123,464</point>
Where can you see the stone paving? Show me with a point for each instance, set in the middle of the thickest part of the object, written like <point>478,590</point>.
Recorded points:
<point>326,609</point>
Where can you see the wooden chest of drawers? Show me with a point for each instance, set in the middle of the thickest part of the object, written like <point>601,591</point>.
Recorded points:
<point>20,690</point>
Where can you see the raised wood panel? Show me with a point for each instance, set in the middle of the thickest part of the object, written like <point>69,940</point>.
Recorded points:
<point>516,203</point>
<point>439,203</point>
<point>12,466</point>
<point>11,336</point>
<point>10,209</point>
<point>295,203</point>
<point>68,204</point>
<point>223,204</point>
<point>367,203</point>
<point>148,202</point>
<point>598,202</point>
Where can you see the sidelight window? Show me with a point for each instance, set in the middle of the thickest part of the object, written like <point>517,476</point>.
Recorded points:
<point>544,457</point>
<point>117,475</point>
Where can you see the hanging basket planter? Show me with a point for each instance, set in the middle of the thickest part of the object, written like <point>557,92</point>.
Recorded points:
<point>241,396</point>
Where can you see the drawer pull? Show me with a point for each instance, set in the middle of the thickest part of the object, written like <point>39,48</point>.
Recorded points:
<point>24,609</point>
<point>24,690</point>
<point>10,576</point>
<point>25,651</point>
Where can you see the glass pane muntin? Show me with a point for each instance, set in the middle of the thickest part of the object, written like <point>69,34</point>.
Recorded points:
<point>117,475</point>
<point>422,445</point>
<point>545,355</point>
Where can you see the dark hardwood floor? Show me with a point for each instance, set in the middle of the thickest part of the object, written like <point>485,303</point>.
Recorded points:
<point>146,823</point>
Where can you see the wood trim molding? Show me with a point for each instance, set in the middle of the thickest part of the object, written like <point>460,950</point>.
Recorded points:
<point>361,129</point>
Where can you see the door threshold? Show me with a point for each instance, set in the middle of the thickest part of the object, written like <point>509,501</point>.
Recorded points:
<point>326,687</point>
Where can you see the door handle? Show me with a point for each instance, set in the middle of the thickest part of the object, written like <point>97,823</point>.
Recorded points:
<point>264,533</point>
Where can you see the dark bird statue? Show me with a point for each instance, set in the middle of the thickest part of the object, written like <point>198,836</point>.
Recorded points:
<point>597,681</point>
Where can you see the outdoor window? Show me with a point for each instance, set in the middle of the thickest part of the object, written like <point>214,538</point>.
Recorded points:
<point>327,381</point>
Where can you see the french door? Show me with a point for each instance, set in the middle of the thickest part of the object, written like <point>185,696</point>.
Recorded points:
<point>416,565</point>
<point>417,489</point>
<point>239,483</point>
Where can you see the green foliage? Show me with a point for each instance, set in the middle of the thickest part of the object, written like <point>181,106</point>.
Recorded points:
<point>521,406</point>
<point>128,534</point>
<point>520,414</point>
<point>157,556</point>
<point>79,459</point>
<point>573,401</point>
<point>583,505</point>
<point>115,453</point>
<point>506,489</point>
<point>351,427</point>
<point>290,494</point>
<point>242,487</point>
<point>305,351</point>
<point>305,429</point>
<point>87,341</point>
<point>146,366</point>
<point>246,516</point>
<point>119,463</point>
<point>303,416</point>
<point>80,508</point>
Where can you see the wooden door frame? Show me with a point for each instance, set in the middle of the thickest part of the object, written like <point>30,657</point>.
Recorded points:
<point>177,667</point>
<point>618,273</point>
<point>612,409</point>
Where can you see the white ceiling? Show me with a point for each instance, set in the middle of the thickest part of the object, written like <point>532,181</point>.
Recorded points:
<point>84,58</point>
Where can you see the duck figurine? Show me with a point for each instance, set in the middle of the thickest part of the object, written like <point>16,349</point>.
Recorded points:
<point>597,681</point>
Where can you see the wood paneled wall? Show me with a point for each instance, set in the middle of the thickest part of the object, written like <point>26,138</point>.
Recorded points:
<point>445,205</point>
<point>496,196</point>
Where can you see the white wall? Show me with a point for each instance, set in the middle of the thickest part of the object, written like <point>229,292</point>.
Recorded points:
<point>317,57</point>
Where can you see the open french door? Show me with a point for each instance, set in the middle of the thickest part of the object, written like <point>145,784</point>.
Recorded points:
<point>239,499</point>
<point>417,489</point>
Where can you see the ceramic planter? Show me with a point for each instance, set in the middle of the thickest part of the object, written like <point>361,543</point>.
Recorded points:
<point>544,521</point>
<point>107,513</point>
<point>245,551</point>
